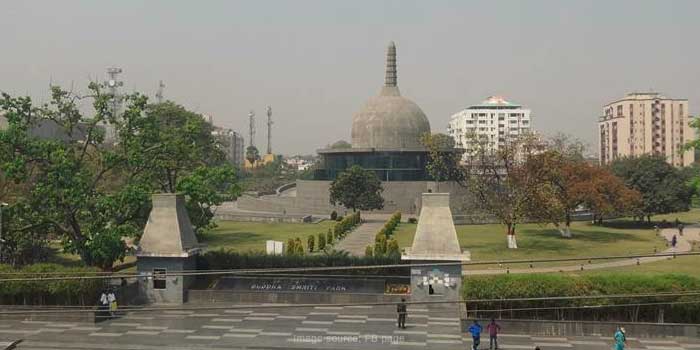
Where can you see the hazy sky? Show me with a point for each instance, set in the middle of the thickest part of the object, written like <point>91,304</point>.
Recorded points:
<point>316,62</point>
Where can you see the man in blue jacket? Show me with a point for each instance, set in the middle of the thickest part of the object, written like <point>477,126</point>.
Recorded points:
<point>475,330</point>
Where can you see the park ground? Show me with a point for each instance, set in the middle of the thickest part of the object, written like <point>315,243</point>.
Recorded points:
<point>484,242</point>
<point>487,242</point>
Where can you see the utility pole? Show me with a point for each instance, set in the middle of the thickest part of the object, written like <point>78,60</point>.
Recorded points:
<point>269,130</point>
<point>251,128</point>
<point>159,93</point>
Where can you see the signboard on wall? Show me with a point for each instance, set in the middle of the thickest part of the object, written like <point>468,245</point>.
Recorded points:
<point>300,284</point>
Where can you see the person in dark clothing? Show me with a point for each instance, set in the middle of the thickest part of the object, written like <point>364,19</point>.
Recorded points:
<point>674,241</point>
<point>493,329</point>
<point>401,311</point>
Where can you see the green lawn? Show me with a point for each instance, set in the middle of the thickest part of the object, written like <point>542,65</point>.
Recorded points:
<point>249,236</point>
<point>488,242</point>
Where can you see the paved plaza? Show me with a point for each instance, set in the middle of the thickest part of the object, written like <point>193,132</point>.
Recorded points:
<point>278,328</point>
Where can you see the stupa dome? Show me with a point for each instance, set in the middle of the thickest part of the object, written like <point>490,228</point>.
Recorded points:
<point>389,121</point>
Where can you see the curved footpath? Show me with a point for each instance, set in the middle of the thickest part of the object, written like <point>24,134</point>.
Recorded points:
<point>684,244</point>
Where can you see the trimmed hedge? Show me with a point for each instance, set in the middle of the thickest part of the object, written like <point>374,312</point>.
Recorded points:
<point>53,292</point>
<point>551,285</point>
<point>228,259</point>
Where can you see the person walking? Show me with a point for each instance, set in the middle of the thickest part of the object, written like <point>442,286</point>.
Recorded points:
<point>680,229</point>
<point>104,305</point>
<point>401,310</point>
<point>493,329</point>
<point>620,339</point>
<point>674,241</point>
<point>475,330</point>
<point>112,299</point>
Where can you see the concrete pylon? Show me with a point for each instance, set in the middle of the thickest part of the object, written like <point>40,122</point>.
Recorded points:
<point>168,245</point>
<point>435,241</point>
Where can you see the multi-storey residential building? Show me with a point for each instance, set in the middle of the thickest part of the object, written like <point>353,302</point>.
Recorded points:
<point>645,123</point>
<point>495,120</point>
<point>234,145</point>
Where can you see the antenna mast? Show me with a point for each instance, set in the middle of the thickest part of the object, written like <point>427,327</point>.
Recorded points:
<point>159,94</point>
<point>251,117</point>
<point>113,83</point>
<point>269,130</point>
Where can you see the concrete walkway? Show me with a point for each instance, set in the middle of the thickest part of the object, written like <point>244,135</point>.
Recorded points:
<point>684,244</point>
<point>362,236</point>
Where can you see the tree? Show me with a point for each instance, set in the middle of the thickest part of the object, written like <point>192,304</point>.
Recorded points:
<point>204,188</point>
<point>443,158</point>
<point>321,241</point>
<point>310,242</point>
<point>72,192</point>
<point>369,251</point>
<point>498,180</point>
<point>357,188</point>
<point>176,152</point>
<point>92,194</point>
<point>252,154</point>
<point>570,183</point>
<point>664,188</point>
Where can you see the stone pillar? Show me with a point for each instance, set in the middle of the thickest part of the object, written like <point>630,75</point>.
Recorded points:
<point>168,246</point>
<point>435,242</point>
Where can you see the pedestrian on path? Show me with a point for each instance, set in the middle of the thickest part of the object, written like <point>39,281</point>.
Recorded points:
<point>674,241</point>
<point>620,339</point>
<point>680,229</point>
<point>104,304</point>
<point>475,330</point>
<point>112,299</point>
<point>493,329</point>
<point>401,310</point>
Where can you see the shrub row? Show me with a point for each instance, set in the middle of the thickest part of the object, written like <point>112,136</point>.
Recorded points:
<point>51,292</point>
<point>227,259</point>
<point>551,285</point>
<point>384,245</point>
<point>346,225</point>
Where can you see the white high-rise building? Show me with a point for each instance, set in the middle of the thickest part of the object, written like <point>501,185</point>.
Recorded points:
<point>494,120</point>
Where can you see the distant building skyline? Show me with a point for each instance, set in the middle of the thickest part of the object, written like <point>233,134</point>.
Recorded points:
<point>646,123</point>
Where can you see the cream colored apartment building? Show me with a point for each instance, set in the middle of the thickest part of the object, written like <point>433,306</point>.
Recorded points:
<point>645,123</point>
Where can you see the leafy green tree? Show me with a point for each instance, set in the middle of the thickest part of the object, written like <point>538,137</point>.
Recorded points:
<point>92,194</point>
<point>321,241</point>
<point>380,245</point>
<point>85,192</point>
<point>204,188</point>
<point>443,158</point>
<point>393,248</point>
<point>664,189</point>
<point>298,246</point>
<point>369,251</point>
<point>329,237</point>
<point>290,249</point>
<point>357,188</point>
<point>311,242</point>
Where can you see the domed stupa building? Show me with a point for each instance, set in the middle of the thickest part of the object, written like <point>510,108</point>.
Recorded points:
<point>386,135</point>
